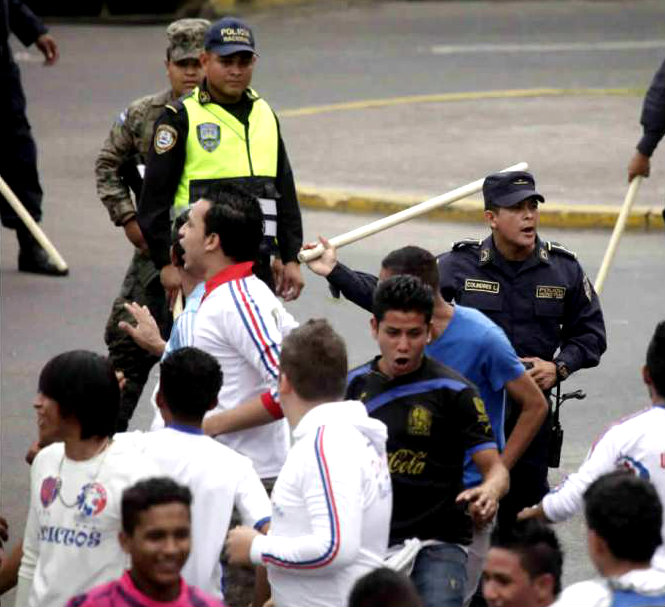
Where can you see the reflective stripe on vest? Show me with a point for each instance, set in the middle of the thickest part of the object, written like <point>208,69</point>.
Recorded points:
<point>217,148</point>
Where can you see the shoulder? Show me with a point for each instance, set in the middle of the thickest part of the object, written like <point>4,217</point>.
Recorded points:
<point>356,375</point>
<point>625,426</point>
<point>556,249</point>
<point>467,244</point>
<point>591,593</point>
<point>442,377</point>
<point>47,456</point>
<point>198,597</point>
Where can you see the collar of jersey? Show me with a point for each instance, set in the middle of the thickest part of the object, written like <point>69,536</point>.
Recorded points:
<point>234,272</point>
<point>185,428</point>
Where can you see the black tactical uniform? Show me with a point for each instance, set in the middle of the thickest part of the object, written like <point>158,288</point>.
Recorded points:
<point>548,309</point>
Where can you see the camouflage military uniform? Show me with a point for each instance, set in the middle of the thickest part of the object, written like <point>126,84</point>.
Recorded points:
<point>127,146</point>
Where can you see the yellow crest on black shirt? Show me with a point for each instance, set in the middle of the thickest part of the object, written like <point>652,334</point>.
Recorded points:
<point>420,421</point>
<point>483,418</point>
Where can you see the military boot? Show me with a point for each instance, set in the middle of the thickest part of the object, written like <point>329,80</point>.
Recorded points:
<point>33,258</point>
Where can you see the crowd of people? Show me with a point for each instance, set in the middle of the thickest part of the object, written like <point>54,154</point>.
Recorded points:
<point>273,473</point>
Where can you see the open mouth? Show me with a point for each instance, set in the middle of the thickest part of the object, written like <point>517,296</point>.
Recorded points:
<point>529,231</point>
<point>401,362</point>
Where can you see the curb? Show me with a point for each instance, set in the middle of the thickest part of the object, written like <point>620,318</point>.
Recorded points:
<point>467,210</point>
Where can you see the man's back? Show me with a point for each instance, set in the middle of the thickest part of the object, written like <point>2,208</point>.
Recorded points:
<point>219,479</point>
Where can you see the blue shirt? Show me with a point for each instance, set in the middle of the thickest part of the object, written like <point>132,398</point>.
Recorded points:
<point>182,334</point>
<point>478,349</point>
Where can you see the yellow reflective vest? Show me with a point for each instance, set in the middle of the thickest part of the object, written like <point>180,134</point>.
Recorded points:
<point>220,148</point>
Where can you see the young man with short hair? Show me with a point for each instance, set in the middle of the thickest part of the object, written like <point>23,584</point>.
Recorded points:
<point>70,540</point>
<point>219,478</point>
<point>624,517</point>
<point>332,500</point>
<point>523,567</point>
<point>156,524</point>
<point>434,416</point>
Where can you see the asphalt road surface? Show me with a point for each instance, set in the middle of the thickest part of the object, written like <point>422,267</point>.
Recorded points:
<point>335,55</point>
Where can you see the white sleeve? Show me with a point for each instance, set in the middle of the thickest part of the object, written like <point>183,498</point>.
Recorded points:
<point>30,556</point>
<point>251,498</point>
<point>331,485</point>
<point>566,499</point>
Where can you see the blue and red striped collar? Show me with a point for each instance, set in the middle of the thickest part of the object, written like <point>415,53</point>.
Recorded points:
<point>234,272</point>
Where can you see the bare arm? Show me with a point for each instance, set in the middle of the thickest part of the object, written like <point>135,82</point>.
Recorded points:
<point>249,414</point>
<point>484,499</point>
<point>9,569</point>
<point>528,395</point>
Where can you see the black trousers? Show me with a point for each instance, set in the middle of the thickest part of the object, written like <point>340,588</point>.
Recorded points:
<point>18,153</point>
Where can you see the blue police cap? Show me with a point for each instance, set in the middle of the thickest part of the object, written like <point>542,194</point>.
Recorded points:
<point>229,35</point>
<point>508,189</point>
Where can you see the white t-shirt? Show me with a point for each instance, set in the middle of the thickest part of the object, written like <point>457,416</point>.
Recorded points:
<point>636,443</point>
<point>68,549</point>
<point>218,478</point>
<point>622,591</point>
<point>331,508</point>
<point>241,323</point>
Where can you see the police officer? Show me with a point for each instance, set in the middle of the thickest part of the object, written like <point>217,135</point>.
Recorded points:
<point>223,132</point>
<point>18,153</point>
<point>116,173</point>
<point>537,292</point>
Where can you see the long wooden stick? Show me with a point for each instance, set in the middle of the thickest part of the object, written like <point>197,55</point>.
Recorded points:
<point>402,216</point>
<point>32,225</point>
<point>619,228</point>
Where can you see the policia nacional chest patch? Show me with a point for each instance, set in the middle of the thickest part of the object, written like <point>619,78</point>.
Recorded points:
<point>548,292</point>
<point>165,138</point>
<point>209,135</point>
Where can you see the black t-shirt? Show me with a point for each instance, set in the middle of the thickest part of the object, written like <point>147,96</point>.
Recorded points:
<point>433,415</point>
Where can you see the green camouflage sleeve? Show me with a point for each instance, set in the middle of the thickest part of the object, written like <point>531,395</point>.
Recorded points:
<point>118,148</point>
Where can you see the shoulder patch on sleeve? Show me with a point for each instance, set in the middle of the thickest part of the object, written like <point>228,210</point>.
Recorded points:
<point>556,247</point>
<point>465,243</point>
<point>165,138</point>
<point>171,107</point>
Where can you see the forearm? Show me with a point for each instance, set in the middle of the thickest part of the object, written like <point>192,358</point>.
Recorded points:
<point>24,23</point>
<point>531,400</point>
<point>249,414</point>
<point>357,287</point>
<point>9,569</point>
<point>496,480</point>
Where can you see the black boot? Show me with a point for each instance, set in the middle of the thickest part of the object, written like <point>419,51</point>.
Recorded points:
<point>32,257</point>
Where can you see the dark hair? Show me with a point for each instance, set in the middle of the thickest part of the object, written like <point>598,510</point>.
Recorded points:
<point>85,387</point>
<point>626,512</point>
<point>314,359</point>
<point>189,381</point>
<point>656,358</point>
<point>413,261</point>
<point>403,293</point>
<point>537,546</point>
<point>384,587</point>
<point>148,493</point>
<point>236,217</point>
<point>178,251</point>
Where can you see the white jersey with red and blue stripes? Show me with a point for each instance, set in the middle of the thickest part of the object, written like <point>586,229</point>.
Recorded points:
<point>635,443</point>
<point>331,508</point>
<point>241,323</point>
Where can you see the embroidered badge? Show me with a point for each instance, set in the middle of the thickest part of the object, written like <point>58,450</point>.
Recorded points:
<point>484,255</point>
<point>483,418</point>
<point>547,292</point>
<point>588,290</point>
<point>209,135</point>
<point>484,286</point>
<point>49,491</point>
<point>165,138</point>
<point>543,254</point>
<point>92,499</point>
<point>420,421</point>
<point>632,465</point>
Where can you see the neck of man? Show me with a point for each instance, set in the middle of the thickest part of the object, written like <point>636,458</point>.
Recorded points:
<point>441,316</point>
<point>616,568</point>
<point>218,262</point>
<point>510,251</point>
<point>188,281</point>
<point>295,408</point>
<point>156,592</point>
<point>82,449</point>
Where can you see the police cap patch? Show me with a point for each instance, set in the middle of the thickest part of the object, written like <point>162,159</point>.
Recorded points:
<point>165,138</point>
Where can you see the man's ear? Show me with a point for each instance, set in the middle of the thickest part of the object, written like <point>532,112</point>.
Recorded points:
<point>212,242</point>
<point>159,399</point>
<point>544,585</point>
<point>646,376</point>
<point>125,542</point>
<point>490,218</point>
<point>285,386</point>
<point>374,325</point>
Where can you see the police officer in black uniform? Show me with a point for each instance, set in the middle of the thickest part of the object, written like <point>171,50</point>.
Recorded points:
<point>537,292</point>
<point>18,153</point>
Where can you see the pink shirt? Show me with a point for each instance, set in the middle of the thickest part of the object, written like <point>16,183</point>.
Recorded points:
<point>123,593</point>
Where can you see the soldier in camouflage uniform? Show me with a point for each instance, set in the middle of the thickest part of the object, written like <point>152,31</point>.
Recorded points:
<point>117,171</point>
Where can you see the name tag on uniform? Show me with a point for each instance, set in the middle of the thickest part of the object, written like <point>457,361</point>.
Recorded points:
<point>484,286</point>
<point>547,292</point>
